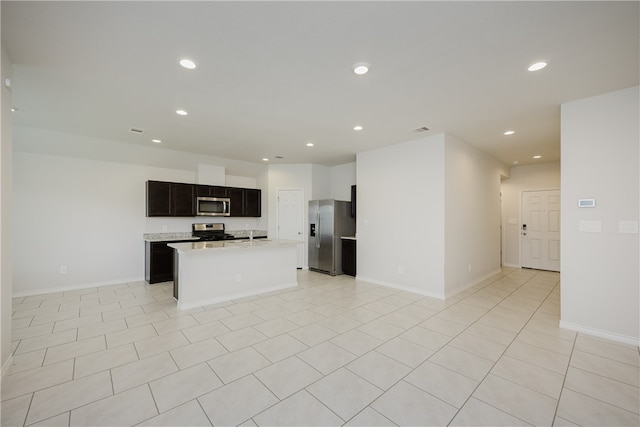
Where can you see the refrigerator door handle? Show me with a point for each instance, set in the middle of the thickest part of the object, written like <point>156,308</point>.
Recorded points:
<point>318,232</point>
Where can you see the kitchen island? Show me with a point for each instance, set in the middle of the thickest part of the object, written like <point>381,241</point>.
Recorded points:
<point>211,272</point>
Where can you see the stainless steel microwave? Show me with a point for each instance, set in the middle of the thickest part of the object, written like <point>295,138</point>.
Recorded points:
<point>213,206</point>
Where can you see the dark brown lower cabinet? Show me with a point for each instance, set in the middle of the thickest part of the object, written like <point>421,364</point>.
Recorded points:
<point>159,261</point>
<point>349,257</point>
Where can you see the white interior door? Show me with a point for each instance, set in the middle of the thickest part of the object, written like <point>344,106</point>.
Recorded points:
<point>540,229</point>
<point>291,219</point>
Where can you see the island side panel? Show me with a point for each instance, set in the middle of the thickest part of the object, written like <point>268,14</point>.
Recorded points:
<point>213,276</point>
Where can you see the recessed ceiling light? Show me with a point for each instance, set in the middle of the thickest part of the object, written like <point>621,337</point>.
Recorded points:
<point>14,109</point>
<point>509,132</point>
<point>358,127</point>
<point>309,144</point>
<point>361,68</point>
<point>157,141</point>
<point>537,66</point>
<point>537,157</point>
<point>181,112</point>
<point>188,64</point>
<point>264,159</point>
<point>515,162</point>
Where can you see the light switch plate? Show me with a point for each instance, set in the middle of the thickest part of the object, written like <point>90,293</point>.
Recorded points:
<point>630,227</point>
<point>592,226</point>
<point>586,203</point>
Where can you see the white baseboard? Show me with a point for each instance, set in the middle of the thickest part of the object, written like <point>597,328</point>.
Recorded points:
<point>634,341</point>
<point>472,283</point>
<point>75,287</point>
<point>411,289</point>
<point>511,265</point>
<point>5,367</point>
<point>211,301</point>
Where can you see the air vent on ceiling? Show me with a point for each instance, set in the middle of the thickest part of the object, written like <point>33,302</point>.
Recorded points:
<point>279,157</point>
<point>136,130</point>
<point>420,129</point>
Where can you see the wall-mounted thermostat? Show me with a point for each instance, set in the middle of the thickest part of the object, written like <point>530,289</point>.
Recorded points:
<point>586,203</point>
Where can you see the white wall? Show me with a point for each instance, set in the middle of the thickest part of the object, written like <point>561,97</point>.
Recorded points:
<point>5,217</point>
<point>545,176</point>
<point>400,217</point>
<point>599,270</point>
<point>472,215</point>
<point>342,178</point>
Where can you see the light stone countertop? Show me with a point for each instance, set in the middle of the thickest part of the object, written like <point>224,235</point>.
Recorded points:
<point>230,244</point>
<point>186,235</point>
<point>348,237</point>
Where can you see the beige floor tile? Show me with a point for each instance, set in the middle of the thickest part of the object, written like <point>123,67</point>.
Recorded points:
<point>122,313</point>
<point>243,307</point>
<point>101,329</point>
<point>492,333</point>
<point>501,322</point>
<point>142,371</point>
<point>477,413</point>
<point>15,385</point>
<point>417,311</point>
<point>550,360</point>
<point>354,393</point>
<point>26,361</point>
<point>18,314</point>
<point>208,330</point>
<point>418,409</point>
<point>75,323</point>
<point>607,390</point>
<point>37,343</point>
<point>127,408</point>
<point>275,327</point>
<point>406,352</point>
<point>450,386</point>
<point>327,357</point>
<point>13,412</point>
<point>426,338</point>
<point>183,386</point>
<point>237,402</point>
<point>99,308</point>
<point>127,336</point>
<point>462,362</point>
<point>378,369</point>
<point>207,316</point>
<point>70,395</point>
<point>587,411</point>
<point>479,346</point>
<point>369,418</point>
<point>287,376</point>
<point>305,317</point>
<point>381,330</point>
<point>74,349</point>
<point>194,354</point>
<point>23,322</point>
<point>516,400</point>
<point>189,414</point>
<point>53,317</point>
<point>32,331</point>
<point>61,420</point>
<point>146,318</point>
<point>401,320</point>
<point>443,326</point>
<point>362,314</point>
<point>103,360</point>
<point>357,342</point>
<point>238,364</point>
<point>154,345</point>
<point>241,338</point>
<point>619,371</point>
<point>547,342</point>
<point>531,376</point>
<point>299,409</point>
<point>620,352</point>
<point>280,347</point>
<point>174,324</point>
<point>312,334</point>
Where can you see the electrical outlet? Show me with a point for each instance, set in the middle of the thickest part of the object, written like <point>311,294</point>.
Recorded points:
<point>401,269</point>
<point>238,277</point>
<point>63,269</point>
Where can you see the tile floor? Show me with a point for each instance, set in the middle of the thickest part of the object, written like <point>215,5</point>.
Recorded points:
<point>334,351</point>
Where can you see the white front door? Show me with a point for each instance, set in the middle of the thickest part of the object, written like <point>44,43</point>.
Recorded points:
<point>291,219</point>
<point>540,230</point>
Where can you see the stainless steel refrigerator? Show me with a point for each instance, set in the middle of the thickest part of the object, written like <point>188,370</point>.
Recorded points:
<point>328,221</point>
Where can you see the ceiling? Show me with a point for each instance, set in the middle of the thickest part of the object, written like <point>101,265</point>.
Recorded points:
<point>273,76</point>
